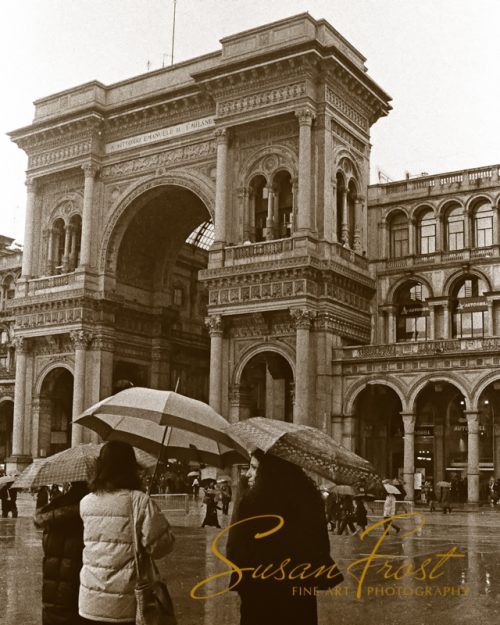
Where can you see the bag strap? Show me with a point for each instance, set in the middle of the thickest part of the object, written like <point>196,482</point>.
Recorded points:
<point>136,540</point>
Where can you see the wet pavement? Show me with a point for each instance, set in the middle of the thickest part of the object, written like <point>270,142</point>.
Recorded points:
<point>446,572</point>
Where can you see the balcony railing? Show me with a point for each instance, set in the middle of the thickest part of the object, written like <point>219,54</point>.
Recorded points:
<point>442,257</point>
<point>442,346</point>
<point>51,282</point>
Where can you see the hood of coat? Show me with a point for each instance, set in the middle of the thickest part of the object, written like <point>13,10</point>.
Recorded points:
<point>63,509</point>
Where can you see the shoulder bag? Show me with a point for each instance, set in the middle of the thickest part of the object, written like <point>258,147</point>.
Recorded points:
<point>154,604</point>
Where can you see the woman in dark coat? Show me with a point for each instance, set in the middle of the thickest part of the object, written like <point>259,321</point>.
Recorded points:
<point>277,487</point>
<point>62,561</point>
<point>210,502</point>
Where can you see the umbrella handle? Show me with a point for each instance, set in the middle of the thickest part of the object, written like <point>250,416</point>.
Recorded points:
<point>162,442</point>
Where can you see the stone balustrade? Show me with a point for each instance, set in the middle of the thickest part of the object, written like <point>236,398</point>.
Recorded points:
<point>440,257</point>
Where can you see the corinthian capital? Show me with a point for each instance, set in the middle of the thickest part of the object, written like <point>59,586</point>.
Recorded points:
<point>90,170</point>
<point>302,317</point>
<point>215,325</point>
<point>221,135</point>
<point>305,117</point>
<point>409,420</point>
<point>81,339</point>
<point>30,183</point>
<point>21,345</point>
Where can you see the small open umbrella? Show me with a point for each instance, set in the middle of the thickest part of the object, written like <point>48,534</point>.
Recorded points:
<point>444,484</point>
<point>391,489</point>
<point>306,447</point>
<point>75,464</point>
<point>6,481</point>
<point>193,474</point>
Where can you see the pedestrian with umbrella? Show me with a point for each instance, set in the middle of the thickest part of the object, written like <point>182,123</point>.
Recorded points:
<point>390,504</point>
<point>278,489</point>
<point>62,544</point>
<point>120,523</point>
<point>445,497</point>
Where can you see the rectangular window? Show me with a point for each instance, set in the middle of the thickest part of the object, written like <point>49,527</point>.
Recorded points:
<point>399,243</point>
<point>484,231</point>
<point>470,324</point>
<point>455,235</point>
<point>428,239</point>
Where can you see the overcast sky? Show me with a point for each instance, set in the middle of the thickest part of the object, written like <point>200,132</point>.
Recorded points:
<point>438,59</point>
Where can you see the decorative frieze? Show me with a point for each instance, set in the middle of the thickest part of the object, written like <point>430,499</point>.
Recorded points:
<point>347,137</point>
<point>271,97</point>
<point>50,157</point>
<point>192,152</point>
<point>343,107</point>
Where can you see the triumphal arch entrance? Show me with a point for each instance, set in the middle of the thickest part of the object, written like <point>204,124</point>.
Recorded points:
<point>203,225</point>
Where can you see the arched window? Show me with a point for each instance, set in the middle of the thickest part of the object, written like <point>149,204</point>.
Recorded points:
<point>398,229</point>
<point>283,202</point>
<point>427,232</point>
<point>412,312</point>
<point>341,191</point>
<point>75,231</point>
<point>351,212</point>
<point>469,308</point>
<point>455,229</point>
<point>57,246</point>
<point>483,226</point>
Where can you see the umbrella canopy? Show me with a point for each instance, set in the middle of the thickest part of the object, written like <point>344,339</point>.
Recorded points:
<point>149,436</point>
<point>160,408</point>
<point>75,464</point>
<point>307,447</point>
<point>443,484</point>
<point>343,489</point>
<point>6,481</point>
<point>391,489</point>
<point>193,474</point>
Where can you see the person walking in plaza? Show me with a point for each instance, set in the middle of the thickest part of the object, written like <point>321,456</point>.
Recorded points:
<point>346,515</point>
<point>332,511</point>
<point>226,494</point>
<point>360,513</point>
<point>5,499</point>
<point>62,556</point>
<point>390,510</point>
<point>115,504</point>
<point>12,503</point>
<point>445,499</point>
<point>280,488</point>
<point>210,502</point>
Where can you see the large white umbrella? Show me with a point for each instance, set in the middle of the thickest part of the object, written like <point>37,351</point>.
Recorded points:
<point>163,408</point>
<point>163,442</point>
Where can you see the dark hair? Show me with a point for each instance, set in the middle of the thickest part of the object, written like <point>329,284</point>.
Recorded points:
<point>116,468</point>
<point>281,485</point>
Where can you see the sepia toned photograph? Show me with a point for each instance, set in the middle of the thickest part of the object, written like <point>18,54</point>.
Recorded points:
<point>250,312</point>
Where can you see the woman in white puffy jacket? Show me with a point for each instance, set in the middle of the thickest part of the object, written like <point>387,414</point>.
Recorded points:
<point>108,577</point>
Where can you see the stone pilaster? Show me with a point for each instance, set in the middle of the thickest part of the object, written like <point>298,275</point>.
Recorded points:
<point>90,171</point>
<point>215,327</point>
<point>306,118</point>
<point>303,318</point>
<point>358,228</point>
<point>222,140</point>
<point>27,266</point>
<point>409,420</point>
<point>81,340</point>
<point>349,433</point>
<point>20,455</point>
<point>472,457</point>
<point>344,237</point>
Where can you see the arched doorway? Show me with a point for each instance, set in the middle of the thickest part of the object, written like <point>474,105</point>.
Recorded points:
<point>441,436</point>
<point>6,422</point>
<point>267,380</point>
<point>164,239</point>
<point>55,404</point>
<point>379,438</point>
<point>489,436</point>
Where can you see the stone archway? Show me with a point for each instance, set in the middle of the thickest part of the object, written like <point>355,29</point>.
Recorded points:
<point>52,411</point>
<point>159,245</point>
<point>266,387</point>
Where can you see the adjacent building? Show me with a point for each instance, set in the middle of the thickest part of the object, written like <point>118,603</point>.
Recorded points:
<point>210,225</point>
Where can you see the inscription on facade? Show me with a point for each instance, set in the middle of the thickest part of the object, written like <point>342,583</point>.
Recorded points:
<point>160,135</point>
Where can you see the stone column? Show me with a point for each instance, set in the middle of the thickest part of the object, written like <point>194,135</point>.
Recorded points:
<point>337,428</point>
<point>345,219</point>
<point>19,418</point>
<point>358,228</point>
<point>496,448</point>
<point>27,266</point>
<point>491,318</point>
<point>409,420</point>
<point>349,433</point>
<point>222,139</point>
<point>50,251</point>
<point>446,321</point>
<point>243,195</point>
<point>432,322</point>
<point>214,324</point>
<point>391,325</point>
<point>468,239</point>
<point>68,235</point>
<point>412,228</point>
<point>81,340</point>
<point>384,243</point>
<point>472,456</point>
<point>305,117</point>
<point>90,170</point>
<point>270,215</point>
<point>303,319</point>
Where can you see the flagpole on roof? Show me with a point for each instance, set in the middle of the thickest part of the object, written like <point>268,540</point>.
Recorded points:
<point>173,33</point>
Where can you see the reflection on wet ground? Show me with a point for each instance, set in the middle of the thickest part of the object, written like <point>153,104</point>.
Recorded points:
<point>463,590</point>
